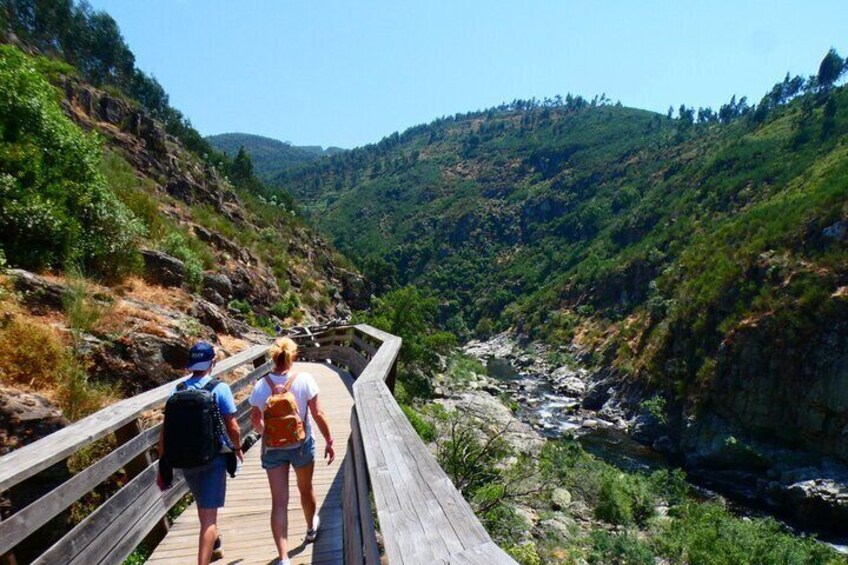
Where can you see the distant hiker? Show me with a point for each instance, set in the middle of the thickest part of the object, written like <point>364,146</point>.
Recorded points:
<point>200,436</point>
<point>283,403</point>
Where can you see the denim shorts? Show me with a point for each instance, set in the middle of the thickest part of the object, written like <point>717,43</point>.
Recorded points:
<point>208,483</point>
<point>298,456</point>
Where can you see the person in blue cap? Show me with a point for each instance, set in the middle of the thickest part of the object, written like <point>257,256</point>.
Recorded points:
<point>208,482</point>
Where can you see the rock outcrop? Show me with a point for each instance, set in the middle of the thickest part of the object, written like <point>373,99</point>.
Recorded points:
<point>25,417</point>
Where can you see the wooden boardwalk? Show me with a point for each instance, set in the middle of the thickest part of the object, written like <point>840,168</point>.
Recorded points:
<point>244,523</point>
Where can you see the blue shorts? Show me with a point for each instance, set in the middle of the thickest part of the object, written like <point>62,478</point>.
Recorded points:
<point>297,456</point>
<point>208,483</point>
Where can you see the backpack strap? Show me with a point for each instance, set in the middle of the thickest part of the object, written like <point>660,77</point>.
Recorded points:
<point>210,386</point>
<point>269,382</point>
<point>290,382</point>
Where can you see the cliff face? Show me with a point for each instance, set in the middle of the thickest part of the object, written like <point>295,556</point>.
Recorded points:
<point>793,392</point>
<point>175,172</point>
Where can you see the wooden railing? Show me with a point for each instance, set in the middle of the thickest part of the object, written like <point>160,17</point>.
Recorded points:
<point>422,517</point>
<point>112,531</point>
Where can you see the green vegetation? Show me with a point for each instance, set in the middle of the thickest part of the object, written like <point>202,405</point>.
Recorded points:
<point>411,314</point>
<point>55,206</point>
<point>626,528</point>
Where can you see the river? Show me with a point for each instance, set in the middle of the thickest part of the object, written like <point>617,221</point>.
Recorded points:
<point>555,415</point>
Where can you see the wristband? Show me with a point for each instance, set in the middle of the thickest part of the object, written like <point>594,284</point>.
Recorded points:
<point>330,442</point>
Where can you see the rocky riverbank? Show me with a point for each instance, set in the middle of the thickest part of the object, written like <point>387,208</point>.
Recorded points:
<point>620,421</point>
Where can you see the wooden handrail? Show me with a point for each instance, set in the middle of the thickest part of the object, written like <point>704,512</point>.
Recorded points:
<point>37,456</point>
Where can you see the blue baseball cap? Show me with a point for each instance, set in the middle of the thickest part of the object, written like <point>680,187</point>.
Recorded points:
<point>201,356</point>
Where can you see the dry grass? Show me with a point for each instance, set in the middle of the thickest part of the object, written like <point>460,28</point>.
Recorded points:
<point>33,357</point>
<point>174,298</point>
<point>232,345</point>
<point>117,320</point>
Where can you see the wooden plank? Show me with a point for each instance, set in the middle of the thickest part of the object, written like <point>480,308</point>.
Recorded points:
<point>90,529</point>
<point>155,507</point>
<point>360,343</point>
<point>403,531</point>
<point>484,554</point>
<point>30,459</point>
<point>369,533</point>
<point>352,530</point>
<point>26,521</point>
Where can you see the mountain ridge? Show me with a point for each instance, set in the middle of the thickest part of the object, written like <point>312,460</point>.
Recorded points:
<point>270,156</point>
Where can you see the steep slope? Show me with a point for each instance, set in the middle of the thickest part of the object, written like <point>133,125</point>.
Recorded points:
<point>270,156</point>
<point>120,247</point>
<point>705,262</point>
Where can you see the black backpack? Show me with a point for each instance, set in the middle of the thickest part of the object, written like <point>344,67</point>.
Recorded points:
<point>193,426</point>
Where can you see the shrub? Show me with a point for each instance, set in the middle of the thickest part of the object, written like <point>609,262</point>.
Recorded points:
<point>242,306</point>
<point>285,307</point>
<point>525,553</point>
<point>82,313</point>
<point>707,534</point>
<point>29,354</point>
<point>613,504</point>
<point>135,193</point>
<point>425,429</point>
<point>177,245</point>
<point>54,203</point>
<point>619,549</point>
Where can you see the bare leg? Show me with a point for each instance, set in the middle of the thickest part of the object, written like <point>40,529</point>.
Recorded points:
<point>307,492</point>
<point>208,534</point>
<point>278,478</point>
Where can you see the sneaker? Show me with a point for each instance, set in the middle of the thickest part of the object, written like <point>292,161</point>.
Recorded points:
<point>217,550</point>
<point>312,532</point>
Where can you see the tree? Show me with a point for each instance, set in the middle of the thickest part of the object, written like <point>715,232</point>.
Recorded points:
<point>830,69</point>
<point>241,171</point>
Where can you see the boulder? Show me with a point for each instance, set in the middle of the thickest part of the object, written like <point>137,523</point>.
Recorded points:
<point>355,290</point>
<point>560,525</point>
<point>162,269</point>
<point>217,284</point>
<point>210,315</point>
<point>560,498</point>
<point>38,293</point>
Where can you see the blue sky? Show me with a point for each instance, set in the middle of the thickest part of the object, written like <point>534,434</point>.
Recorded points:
<point>347,73</point>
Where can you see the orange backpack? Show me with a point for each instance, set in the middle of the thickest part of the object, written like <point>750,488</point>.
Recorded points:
<point>283,424</point>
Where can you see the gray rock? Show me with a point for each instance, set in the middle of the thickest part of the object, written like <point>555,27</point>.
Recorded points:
<point>26,417</point>
<point>560,498</point>
<point>219,284</point>
<point>162,269</point>
<point>560,525</point>
<point>836,231</point>
<point>38,293</point>
<point>210,315</point>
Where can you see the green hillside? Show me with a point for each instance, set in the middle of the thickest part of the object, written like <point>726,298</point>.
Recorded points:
<point>270,156</point>
<point>652,240</point>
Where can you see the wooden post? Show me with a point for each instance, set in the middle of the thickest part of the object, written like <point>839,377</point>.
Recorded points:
<point>392,377</point>
<point>137,466</point>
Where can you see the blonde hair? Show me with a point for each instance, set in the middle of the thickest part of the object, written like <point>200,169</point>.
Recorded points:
<point>283,352</point>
